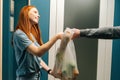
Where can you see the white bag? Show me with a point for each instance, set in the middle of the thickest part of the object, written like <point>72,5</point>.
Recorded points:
<point>65,66</point>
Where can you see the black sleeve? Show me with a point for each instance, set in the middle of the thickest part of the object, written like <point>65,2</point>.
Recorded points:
<point>101,33</point>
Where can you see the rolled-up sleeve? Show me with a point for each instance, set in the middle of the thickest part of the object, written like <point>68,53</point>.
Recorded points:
<point>22,41</point>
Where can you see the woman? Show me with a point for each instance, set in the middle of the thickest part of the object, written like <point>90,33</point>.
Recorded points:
<point>28,45</point>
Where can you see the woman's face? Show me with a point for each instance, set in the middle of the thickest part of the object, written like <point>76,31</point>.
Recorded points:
<point>34,15</point>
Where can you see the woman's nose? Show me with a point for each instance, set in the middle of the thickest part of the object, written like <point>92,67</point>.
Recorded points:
<point>38,16</point>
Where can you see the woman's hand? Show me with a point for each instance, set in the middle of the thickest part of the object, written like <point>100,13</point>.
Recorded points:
<point>76,33</point>
<point>60,35</point>
<point>54,75</point>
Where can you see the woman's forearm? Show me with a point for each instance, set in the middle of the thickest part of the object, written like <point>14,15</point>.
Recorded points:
<point>45,47</point>
<point>39,51</point>
<point>44,65</point>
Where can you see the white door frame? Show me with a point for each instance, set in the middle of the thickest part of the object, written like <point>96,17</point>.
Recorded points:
<point>106,18</point>
<point>1,7</point>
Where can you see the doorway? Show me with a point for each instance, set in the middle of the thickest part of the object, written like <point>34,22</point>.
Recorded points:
<point>93,56</point>
<point>84,14</point>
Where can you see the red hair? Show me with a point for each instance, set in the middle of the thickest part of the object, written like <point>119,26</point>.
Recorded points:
<point>24,24</point>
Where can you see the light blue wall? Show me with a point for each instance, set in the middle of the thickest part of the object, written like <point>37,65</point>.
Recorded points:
<point>9,63</point>
<point>5,40</point>
<point>115,71</point>
<point>43,7</point>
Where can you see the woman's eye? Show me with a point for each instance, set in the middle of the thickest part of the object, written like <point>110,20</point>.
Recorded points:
<point>35,11</point>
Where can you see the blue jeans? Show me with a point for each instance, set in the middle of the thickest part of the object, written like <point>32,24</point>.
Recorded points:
<point>35,76</point>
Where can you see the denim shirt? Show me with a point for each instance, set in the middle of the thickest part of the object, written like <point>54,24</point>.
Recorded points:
<point>27,62</point>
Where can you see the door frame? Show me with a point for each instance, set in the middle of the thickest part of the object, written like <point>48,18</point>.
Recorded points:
<point>1,7</point>
<point>56,25</point>
<point>106,18</point>
<point>104,61</point>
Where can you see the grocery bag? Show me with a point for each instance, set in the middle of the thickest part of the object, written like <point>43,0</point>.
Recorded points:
<point>65,66</point>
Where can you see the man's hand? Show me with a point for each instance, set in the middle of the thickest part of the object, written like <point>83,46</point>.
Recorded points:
<point>76,33</point>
